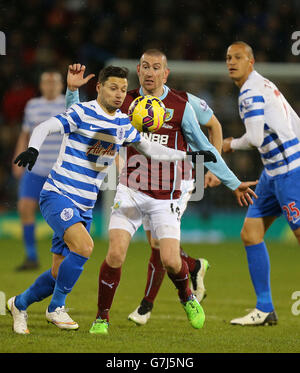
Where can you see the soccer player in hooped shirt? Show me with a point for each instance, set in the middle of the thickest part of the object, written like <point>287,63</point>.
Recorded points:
<point>153,73</point>
<point>133,203</point>
<point>273,127</point>
<point>93,133</point>
<point>37,110</point>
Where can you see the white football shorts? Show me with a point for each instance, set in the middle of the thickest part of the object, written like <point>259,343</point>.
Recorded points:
<point>131,207</point>
<point>187,187</point>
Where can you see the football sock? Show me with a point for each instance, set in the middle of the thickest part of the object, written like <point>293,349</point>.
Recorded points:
<point>40,289</point>
<point>109,279</point>
<point>155,276</point>
<point>29,241</point>
<point>68,273</point>
<point>191,262</point>
<point>259,268</point>
<point>181,282</point>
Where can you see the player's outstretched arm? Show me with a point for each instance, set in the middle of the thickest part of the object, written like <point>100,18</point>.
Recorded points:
<point>75,76</point>
<point>39,134</point>
<point>160,152</point>
<point>244,193</point>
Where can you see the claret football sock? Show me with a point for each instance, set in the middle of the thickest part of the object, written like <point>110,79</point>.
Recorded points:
<point>259,268</point>
<point>68,274</point>
<point>109,279</point>
<point>191,262</point>
<point>155,275</point>
<point>29,241</point>
<point>181,282</point>
<point>40,289</point>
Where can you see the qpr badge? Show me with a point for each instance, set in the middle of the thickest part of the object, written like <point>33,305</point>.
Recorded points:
<point>67,214</point>
<point>247,103</point>
<point>120,133</point>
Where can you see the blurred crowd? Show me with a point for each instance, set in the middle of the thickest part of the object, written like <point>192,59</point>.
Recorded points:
<point>43,34</point>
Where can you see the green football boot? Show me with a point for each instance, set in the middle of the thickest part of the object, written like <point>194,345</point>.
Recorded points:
<point>195,313</point>
<point>99,327</point>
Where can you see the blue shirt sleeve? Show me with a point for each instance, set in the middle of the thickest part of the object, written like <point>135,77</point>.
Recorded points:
<point>198,141</point>
<point>202,110</point>
<point>132,135</point>
<point>72,97</point>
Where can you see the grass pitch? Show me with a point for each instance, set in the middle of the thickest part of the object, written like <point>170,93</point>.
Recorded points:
<point>230,295</point>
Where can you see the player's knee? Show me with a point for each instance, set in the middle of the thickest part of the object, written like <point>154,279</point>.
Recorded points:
<point>87,247</point>
<point>171,263</point>
<point>115,258</point>
<point>84,247</point>
<point>250,236</point>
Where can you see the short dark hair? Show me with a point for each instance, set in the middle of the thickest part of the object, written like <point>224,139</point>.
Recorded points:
<point>106,72</point>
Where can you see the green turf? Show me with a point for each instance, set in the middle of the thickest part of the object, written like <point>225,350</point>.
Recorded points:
<point>229,295</point>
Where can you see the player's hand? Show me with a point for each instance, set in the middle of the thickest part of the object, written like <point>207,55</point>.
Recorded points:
<point>208,156</point>
<point>244,193</point>
<point>75,77</point>
<point>211,180</point>
<point>227,145</point>
<point>27,158</point>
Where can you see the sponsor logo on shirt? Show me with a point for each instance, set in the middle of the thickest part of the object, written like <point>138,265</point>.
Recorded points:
<point>98,149</point>
<point>161,139</point>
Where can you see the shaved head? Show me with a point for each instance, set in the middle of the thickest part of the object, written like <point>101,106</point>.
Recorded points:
<point>153,52</point>
<point>247,47</point>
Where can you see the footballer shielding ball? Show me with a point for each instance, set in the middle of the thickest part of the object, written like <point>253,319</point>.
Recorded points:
<point>147,113</point>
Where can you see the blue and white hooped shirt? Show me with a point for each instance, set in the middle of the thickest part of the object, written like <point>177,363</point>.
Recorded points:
<point>260,100</point>
<point>91,141</point>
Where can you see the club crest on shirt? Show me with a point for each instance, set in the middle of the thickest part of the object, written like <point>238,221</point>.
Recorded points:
<point>67,214</point>
<point>120,133</point>
<point>117,205</point>
<point>247,103</point>
<point>203,105</point>
<point>169,114</point>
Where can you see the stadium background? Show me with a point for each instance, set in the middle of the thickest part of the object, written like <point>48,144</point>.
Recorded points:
<point>45,33</point>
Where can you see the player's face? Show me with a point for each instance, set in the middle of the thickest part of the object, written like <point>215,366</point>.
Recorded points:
<point>239,63</point>
<point>51,85</point>
<point>153,74</point>
<point>112,93</point>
